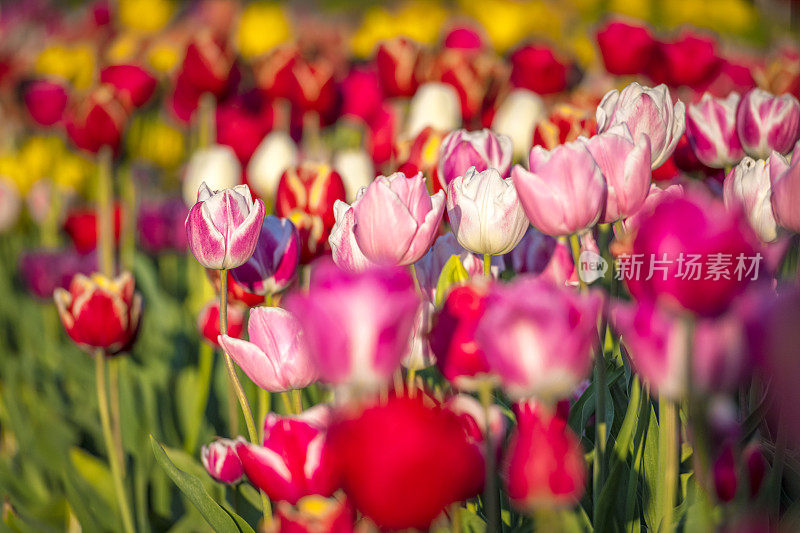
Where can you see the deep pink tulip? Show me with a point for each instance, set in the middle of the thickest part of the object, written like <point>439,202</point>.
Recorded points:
<point>43,271</point>
<point>711,130</point>
<point>538,338</point>
<point>766,122</point>
<point>276,357</point>
<point>357,325</point>
<point>396,220</point>
<point>221,461</point>
<point>563,192</point>
<point>785,186</point>
<point>655,195</point>
<point>464,38</point>
<point>362,95</point>
<point>539,69</point>
<point>625,165</point>
<point>273,265</point>
<point>223,226</point>
<point>626,48</point>
<point>132,82</point>
<point>293,462</point>
<point>646,110</point>
<point>46,101</point>
<point>543,256</point>
<point>482,149</point>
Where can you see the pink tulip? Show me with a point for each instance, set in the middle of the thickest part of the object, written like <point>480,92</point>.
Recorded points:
<point>766,122</point>
<point>276,357</point>
<point>747,186</point>
<point>292,463</point>
<point>538,338</point>
<point>563,192</point>
<point>482,149</point>
<point>221,461</point>
<point>357,325</point>
<point>344,246</point>
<point>273,265</point>
<point>648,111</point>
<point>396,220</point>
<point>543,256</point>
<point>785,195</point>
<point>625,166</point>
<point>655,195</point>
<point>429,268</point>
<point>711,130</point>
<point>223,226</point>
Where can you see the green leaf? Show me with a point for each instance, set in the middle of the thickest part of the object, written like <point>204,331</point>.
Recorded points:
<point>453,273</point>
<point>192,487</point>
<point>95,473</point>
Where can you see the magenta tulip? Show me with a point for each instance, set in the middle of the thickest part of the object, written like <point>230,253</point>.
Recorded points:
<point>766,122</point>
<point>482,149</point>
<point>221,461</point>
<point>273,265</point>
<point>785,187</point>
<point>711,130</point>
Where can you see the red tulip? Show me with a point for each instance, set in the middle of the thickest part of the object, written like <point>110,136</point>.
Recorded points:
<point>207,64</point>
<point>538,69</point>
<point>236,292</point>
<point>46,101</point>
<point>314,87</point>
<point>274,72</point>
<point>564,124</point>
<point>689,60</point>
<point>208,322</point>
<point>241,129</point>
<point>626,48</point>
<point>131,81</point>
<point>81,227</point>
<point>398,64</point>
<point>97,120</point>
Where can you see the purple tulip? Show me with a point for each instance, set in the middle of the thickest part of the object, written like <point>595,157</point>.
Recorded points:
<point>344,246</point>
<point>396,220</point>
<point>482,149</point>
<point>626,168</point>
<point>276,357</point>
<point>766,122</point>
<point>159,225</point>
<point>747,186</point>
<point>648,111</point>
<point>564,191</point>
<point>43,271</point>
<point>538,338</point>
<point>273,265</point>
<point>223,226</point>
<point>544,257</point>
<point>785,196</point>
<point>429,268</point>
<point>357,325</point>
<point>221,461</point>
<point>711,130</point>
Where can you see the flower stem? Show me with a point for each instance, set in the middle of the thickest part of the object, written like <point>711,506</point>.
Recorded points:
<point>487,266</point>
<point>491,499</point>
<point>297,401</point>
<point>411,382</point>
<point>128,238</point>
<point>113,459</point>
<point>575,245</point>
<point>204,370</point>
<point>116,418</point>
<point>264,406</point>
<point>599,462</point>
<point>105,216</point>
<point>668,441</point>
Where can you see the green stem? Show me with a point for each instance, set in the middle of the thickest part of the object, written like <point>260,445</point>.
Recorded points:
<point>116,417</point>
<point>113,459</point>
<point>599,461</point>
<point>575,246</point>
<point>128,238</point>
<point>206,128</point>
<point>204,371</point>
<point>491,500</point>
<point>487,266</point>
<point>297,401</point>
<point>264,405</point>
<point>643,422</point>
<point>412,269</point>
<point>105,215</point>
<point>668,441</point>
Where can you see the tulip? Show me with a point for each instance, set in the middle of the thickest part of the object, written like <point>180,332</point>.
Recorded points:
<point>133,82</point>
<point>97,120</point>
<point>46,101</point>
<point>273,265</point>
<point>396,220</point>
<point>207,63</point>
<point>689,60</point>
<point>208,322</point>
<point>43,271</point>
<point>236,293</point>
<point>276,153</point>
<point>564,124</point>
<point>538,338</point>
<point>434,104</point>
<point>471,78</point>
<point>80,226</point>
<point>223,226</point>
<point>159,225</point>
<point>483,149</point>
<point>221,461</point>
<point>294,461</point>
<point>242,128</point>
<point>517,116</point>
<point>306,195</point>
<point>544,466</point>
<point>357,325</point>
<point>362,95</point>
<point>429,268</point>
<point>785,185</point>
<point>645,110</point>
<point>627,49</point>
<point>397,61</point>
<point>711,130</point>
<point>542,256</point>
<point>474,418</point>
<point>276,357</point>
<point>464,38</point>
<point>538,69</point>
<point>405,479</point>
<point>100,313</point>
<point>216,165</point>
<point>314,514</point>
<point>766,122</point>
<point>382,131</point>
<point>748,186</point>
<point>356,169</point>
<point>418,354</point>
<point>423,156</point>
<point>485,213</point>
<point>654,197</point>
<point>313,86</point>
<point>726,475</point>
<point>564,192</point>
<point>342,240</point>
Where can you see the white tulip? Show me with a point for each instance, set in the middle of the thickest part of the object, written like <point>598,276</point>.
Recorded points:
<point>216,165</point>
<point>274,154</point>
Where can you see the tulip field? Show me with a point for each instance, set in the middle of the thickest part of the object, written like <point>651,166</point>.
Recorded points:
<point>358,267</point>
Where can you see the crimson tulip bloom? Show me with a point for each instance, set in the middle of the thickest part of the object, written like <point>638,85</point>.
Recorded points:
<point>221,462</point>
<point>132,82</point>
<point>46,101</point>
<point>626,49</point>
<point>208,322</point>
<point>98,120</point>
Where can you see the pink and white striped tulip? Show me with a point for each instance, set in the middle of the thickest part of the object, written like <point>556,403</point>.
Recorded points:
<point>483,149</point>
<point>222,462</point>
<point>344,246</point>
<point>766,122</point>
<point>646,110</point>
<point>711,130</point>
<point>273,265</point>
<point>396,220</point>
<point>785,197</point>
<point>276,357</point>
<point>223,226</point>
<point>748,186</point>
<point>484,211</point>
<point>563,192</point>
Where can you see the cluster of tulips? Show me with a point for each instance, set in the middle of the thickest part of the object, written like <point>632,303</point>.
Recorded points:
<point>436,288</point>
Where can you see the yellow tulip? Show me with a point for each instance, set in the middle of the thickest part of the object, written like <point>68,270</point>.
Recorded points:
<point>262,26</point>
<point>145,16</point>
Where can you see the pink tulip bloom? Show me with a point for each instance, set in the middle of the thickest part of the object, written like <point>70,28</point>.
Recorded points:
<point>273,265</point>
<point>344,246</point>
<point>357,325</point>
<point>785,195</point>
<point>626,168</point>
<point>396,220</point>
<point>766,122</point>
<point>223,227</point>
<point>648,111</point>
<point>563,192</point>
<point>292,463</point>
<point>276,357</point>
<point>221,461</point>
<point>482,149</point>
<point>747,187</point>
<point>711,130</point>
<point>655,195</point>
<point>538,338</point>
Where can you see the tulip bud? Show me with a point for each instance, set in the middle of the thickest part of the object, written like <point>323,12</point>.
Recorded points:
<point>483,149</point>
<point>748,186</point>
<point>242,129</point>
<point>98,312</point>
<point>208,322</point>
<point>132,82</point>
<point>46,101</point>
<point>627,49</point>
<point>216,166</point>
<point>221,461</point>
<point>485,213</point>
<point>207,63</point>
<point>344,246</point>
<point>362,95</point>
<point>711,130</point>
<point>648,111</point>
<point>97,121</point>
<point>397,61</point>
<point>537,69</point>
<point>276,357</point>
<point>517,117</point>
<point>276,153</point>
<point>785,195</point>
<point>223,226</point>
<point>434,104</point>
<point>766,122</point>
<point>273,265</point>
